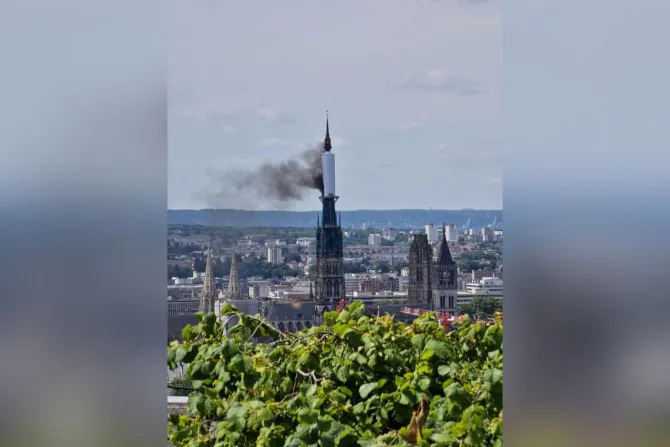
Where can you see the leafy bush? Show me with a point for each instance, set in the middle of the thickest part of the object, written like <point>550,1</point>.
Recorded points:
<point>357,380</point>
<point>181,384</point>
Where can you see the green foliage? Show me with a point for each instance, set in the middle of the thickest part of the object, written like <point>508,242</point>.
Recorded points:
<point>354,381</point>
<point>481,307</point>
<point>181,383</point>
<point>246,267</point>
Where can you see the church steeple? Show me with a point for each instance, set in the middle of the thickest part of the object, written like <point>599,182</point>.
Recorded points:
<point>443,253</point>
<point>208,286</point>
<point>234,292</point>
<point>326,144</point>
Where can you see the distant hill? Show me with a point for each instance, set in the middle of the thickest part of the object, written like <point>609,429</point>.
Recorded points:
<point>350,219</point>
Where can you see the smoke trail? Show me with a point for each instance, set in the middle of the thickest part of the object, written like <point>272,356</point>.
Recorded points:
<point>278,182</point>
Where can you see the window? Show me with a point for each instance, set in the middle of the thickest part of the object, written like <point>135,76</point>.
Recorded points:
<point>451,301</point>
<point>442,301</point>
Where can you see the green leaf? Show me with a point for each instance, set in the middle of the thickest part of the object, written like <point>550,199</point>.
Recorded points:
<point>493,375</point>
<point>235,416</point>
<point>424,383</point>
<point>195,403</point>
<point>187,333</point>
<point>310,390</point>
<point>418,341</point>
<point>440,348</point>
<point>443,370</point>
<point>356,309</point>
<point>443,438</point>
<point>346,391</point>
<point>427,354</point>
<point>343,316</point>
<point>459,429</point>
<point>366,389</point>
<point>264,415</point>
<point>180,354</point>
<point>172,355</point>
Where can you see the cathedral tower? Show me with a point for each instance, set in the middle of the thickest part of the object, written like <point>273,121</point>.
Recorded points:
<point>445,279</point>
<point>329,281</point>
<point>420,271</point>
<point>208,297</point>
<point>234,292</point>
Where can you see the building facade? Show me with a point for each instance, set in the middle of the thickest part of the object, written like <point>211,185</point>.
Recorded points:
<point>431,232</point>
<point>452,233</point>
<point>275,255</point>
<point>375,239</point>
<point>445,279</point>
<point>420,289</point>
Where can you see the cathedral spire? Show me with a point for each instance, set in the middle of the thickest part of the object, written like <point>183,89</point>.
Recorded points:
<point>233,281</point>
<point>326,144</point>
<point>443,253</point>
<point>208,286</point>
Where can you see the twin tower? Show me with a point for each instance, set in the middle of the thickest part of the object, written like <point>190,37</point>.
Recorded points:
<point>329,281</point>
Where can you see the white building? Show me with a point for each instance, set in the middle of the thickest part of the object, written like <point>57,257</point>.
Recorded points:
<point>306,241</point>
<point>403,284</point>
<point>272,242</point>
<point>352,282</point>
<point>404,272</point>
<point>486,286</point>
<point>375,239</point>
<point>389,234</point>
<point>183,281</point>
<point>487,234</point>
<point>452,233</point>
<point>431,232</point>
<point>275,255</point>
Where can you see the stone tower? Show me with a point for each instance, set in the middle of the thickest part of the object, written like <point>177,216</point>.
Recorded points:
<point>208,297</point>
<point>420,271</point>
<point>445,279</point>
<point>234,292</point>
<point>329,280</point>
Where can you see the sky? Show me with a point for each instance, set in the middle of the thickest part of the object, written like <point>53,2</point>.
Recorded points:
<point>412,87</point>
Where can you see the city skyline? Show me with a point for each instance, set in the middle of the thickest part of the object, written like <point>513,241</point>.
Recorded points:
<point>414,107</point>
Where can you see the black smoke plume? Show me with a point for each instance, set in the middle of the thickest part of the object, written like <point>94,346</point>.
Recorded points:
<point>278,182</point>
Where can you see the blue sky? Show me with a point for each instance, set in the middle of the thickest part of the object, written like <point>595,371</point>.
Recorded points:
<point>413,89</point>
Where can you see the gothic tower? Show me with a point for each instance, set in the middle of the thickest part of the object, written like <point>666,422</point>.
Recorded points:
<point>233,282</point>
<point>420,271</point>
<point>445,279</point>
<point>329,281</point>
<point>208,286</point>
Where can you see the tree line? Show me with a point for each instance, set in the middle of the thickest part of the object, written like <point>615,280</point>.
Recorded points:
<point>246,267</point>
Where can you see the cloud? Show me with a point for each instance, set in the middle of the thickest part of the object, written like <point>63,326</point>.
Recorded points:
<point>411,126</point>
<point>496,181</point>
<point>274,141</point>
<point>228,129</point>
<point>440,80</point>
<point>270,115</point>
